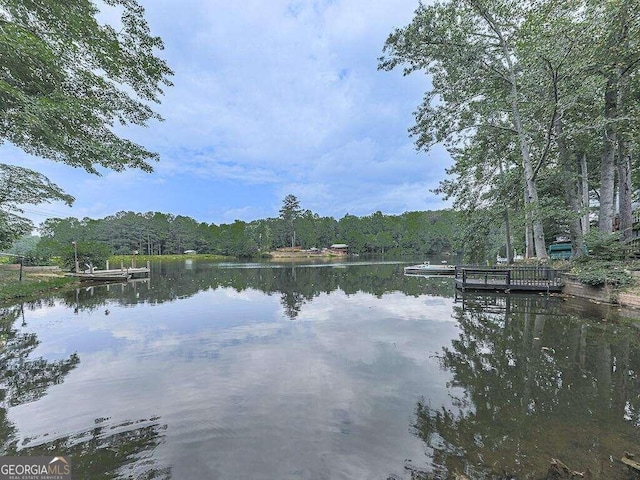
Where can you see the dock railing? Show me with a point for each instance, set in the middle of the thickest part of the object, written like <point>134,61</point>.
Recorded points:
<point>508,277</point>
<point>483,276</point>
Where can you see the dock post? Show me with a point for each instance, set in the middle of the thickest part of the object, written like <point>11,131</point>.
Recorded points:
<point>121,265</point>
<point>149,266</point>
<point>107,265</point>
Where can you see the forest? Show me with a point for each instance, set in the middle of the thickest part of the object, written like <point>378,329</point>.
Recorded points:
<point>155,233</point>
<point>537,103</point>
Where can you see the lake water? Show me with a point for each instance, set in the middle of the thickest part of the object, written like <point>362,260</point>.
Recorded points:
<point>317,371</point>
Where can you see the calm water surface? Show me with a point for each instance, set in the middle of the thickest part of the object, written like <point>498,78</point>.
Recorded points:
<point>345,371</point>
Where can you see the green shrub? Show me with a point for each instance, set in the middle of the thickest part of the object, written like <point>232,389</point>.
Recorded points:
<point>604,246</point>
<point>597,273</point>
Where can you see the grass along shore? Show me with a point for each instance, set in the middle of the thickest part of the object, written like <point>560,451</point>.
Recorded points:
<point>37,281</point>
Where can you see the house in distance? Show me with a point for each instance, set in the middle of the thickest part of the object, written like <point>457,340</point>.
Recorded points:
<point>339,249</point>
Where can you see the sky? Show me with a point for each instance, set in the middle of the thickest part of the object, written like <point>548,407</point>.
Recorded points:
<point>269,99</point>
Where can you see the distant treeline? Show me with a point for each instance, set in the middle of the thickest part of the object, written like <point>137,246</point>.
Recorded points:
<point>154,233</point>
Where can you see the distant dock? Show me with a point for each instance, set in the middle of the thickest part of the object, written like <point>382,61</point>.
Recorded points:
<point>426,268</point>
<point>122,274</point>
<point>508,279</point>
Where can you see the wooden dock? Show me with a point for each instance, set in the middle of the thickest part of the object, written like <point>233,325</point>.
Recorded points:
<point>426,269</point>
<point>508,279</point>
<point>111,275</point>
<point>122,274</point>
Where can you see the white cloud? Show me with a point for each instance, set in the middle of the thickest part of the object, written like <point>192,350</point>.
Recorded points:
<point>228,389</point>
<point>282,94</point>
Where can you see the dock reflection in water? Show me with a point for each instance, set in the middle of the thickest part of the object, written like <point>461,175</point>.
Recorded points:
<point>289,371</point>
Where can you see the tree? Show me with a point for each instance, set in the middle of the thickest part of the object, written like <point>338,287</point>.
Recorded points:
<point>27,247</point>
<point>67,80</point>
<point>486,189</point>
<point>553,42</point>
<point>618,60</point>
<point>235,240</point>
<point>554,80</point>
<point>18,187</point>
<point>289,213</point>
<point>93,254</point>
<point>468,46</point>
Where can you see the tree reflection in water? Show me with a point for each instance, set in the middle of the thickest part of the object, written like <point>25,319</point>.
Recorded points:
<point>296,284</point>
<point>23,379</point>
<point>538,384</point>
<point>102,452</point>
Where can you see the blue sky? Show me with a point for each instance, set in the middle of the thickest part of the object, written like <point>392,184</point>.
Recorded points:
<point>270,98</point>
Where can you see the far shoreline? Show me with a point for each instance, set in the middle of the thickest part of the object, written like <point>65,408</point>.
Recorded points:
<point>39,281</point>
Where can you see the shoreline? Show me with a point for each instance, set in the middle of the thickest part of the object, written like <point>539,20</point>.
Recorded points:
<point>37,281</point>
<point>302,256</point>
<point>40,280</point>
<point>627,297</point>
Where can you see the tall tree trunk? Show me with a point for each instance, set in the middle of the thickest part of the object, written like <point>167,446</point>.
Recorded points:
<point>624,190</point>
<point>528,233</point>
<point>607,167</point>
<point>507,231</point>
<point>585,194</point>
<point>529,175</point>
<point>572,197</point>
<point>624,166</point>
<point>507,226</point>
<point>532,191</point>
